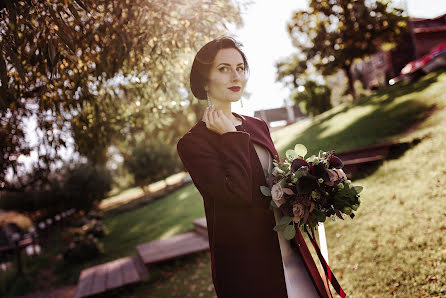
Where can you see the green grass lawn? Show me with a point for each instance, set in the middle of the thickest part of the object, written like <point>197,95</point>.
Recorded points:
<point>395,246</point>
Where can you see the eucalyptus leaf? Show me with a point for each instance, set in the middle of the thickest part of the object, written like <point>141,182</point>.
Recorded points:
<point>285,220</point>
<point>289,232</point>
<point>265,191</point>
<point>358,188</point>
<point>282,183</point>
<point>273,204</point>
<point>279,227</point>
<point>291,154</point>
<point>301,150</point>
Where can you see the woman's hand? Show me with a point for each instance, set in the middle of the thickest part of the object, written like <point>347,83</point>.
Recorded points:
<point>217,121</point>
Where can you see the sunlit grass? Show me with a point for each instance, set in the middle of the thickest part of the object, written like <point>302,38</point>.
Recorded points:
<point>135,193</point>
<point>378,118</point>
<point>396,243</point>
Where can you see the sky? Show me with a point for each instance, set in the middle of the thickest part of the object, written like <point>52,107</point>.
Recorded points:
<point>265,41</point>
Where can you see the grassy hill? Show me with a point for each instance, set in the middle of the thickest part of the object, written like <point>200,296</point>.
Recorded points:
<point>396,246</point>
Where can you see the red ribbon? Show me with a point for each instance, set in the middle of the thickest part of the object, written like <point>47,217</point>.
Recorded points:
<point>327,270</point>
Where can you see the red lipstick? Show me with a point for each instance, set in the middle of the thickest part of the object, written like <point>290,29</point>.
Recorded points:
<point>234,88</point>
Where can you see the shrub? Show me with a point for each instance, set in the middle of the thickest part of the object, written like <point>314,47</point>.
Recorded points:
<point>83,247</point>
<point>85,185</point>
<point>77,185</point>
<point>315,99</point>
<point>152,162</point>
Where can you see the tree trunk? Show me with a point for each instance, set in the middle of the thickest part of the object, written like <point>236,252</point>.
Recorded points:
<point>351,87</point>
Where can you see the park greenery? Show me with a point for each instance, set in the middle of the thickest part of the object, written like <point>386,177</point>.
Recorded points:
<point>98,74</point>
<point>331,35</point>
<point>314,99</point>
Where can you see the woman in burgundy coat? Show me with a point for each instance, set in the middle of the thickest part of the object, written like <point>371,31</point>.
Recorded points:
<point>226,155</point>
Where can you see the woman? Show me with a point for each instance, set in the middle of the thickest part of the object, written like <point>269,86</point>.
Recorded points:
<point>227,155</point>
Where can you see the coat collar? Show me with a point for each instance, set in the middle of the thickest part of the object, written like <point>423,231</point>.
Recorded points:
<point>256,129</point>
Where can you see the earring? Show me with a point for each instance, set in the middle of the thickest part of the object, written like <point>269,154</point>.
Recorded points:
<point>209,100</point>
<point>241,102</point>
<point>210,104</point>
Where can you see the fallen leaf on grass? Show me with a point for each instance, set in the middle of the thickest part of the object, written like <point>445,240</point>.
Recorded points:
<point>432,279</point>
<point>339,273</point>
<point>395,287</point>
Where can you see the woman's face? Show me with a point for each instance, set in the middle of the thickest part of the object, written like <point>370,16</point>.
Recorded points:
<point>227,70</point>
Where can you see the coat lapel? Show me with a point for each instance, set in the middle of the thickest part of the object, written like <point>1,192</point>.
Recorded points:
<point>258,134</point>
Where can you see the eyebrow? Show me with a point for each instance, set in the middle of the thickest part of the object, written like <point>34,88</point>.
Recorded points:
<point>229,64</point>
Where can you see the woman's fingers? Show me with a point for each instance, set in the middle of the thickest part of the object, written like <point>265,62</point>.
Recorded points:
<point>211,115</point>
<point>205,115</point>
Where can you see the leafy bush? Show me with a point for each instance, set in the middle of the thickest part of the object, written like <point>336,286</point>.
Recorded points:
<point>84,185</point>
<point>315,99</point>
<point>152,162</point>
<point>78,185</point>
<point>83,247</point>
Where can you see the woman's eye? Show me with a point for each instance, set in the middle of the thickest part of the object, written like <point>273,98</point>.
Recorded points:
<point>223,68</point>
<point>241,68</point>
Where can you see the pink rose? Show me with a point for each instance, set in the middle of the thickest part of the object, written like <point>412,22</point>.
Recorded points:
<point>277,194</point>
<point>298,211</point>
<point>335,175</point>
<point>332,176</point>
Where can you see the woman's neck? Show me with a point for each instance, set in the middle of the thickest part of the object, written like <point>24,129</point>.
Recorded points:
<point>226,109</point>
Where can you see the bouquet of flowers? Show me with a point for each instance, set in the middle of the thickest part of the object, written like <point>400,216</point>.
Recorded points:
<point>310,190</point>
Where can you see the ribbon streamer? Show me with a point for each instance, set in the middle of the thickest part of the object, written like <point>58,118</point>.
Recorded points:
<point>328,273</point>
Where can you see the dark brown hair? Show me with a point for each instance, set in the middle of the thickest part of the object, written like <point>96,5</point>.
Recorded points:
<point>203,62</point>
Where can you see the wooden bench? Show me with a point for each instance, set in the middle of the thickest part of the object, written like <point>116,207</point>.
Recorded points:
<point>354,158</point>
<point>382,149</point>
<point>111,275</point>
<point>351,166</point>
<point>201,227</point>
<point>173,247</point>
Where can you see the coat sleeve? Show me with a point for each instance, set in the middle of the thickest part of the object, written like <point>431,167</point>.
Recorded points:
<point>224,176</point>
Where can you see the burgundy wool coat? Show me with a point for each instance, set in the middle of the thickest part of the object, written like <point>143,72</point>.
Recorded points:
<point>245,252</point>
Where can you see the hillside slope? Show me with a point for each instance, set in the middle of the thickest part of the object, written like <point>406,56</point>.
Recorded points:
<point>396,245</point>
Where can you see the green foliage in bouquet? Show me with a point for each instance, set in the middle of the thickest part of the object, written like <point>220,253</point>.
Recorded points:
<point>310,190</point>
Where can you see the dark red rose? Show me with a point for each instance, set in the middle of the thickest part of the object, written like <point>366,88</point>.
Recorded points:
<point>297,163</point>
<point>305,185</point>
<point>335,162</point>
<point>320,171</point>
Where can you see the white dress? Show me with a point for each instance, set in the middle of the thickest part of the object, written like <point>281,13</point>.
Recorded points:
<point>298,281</point>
